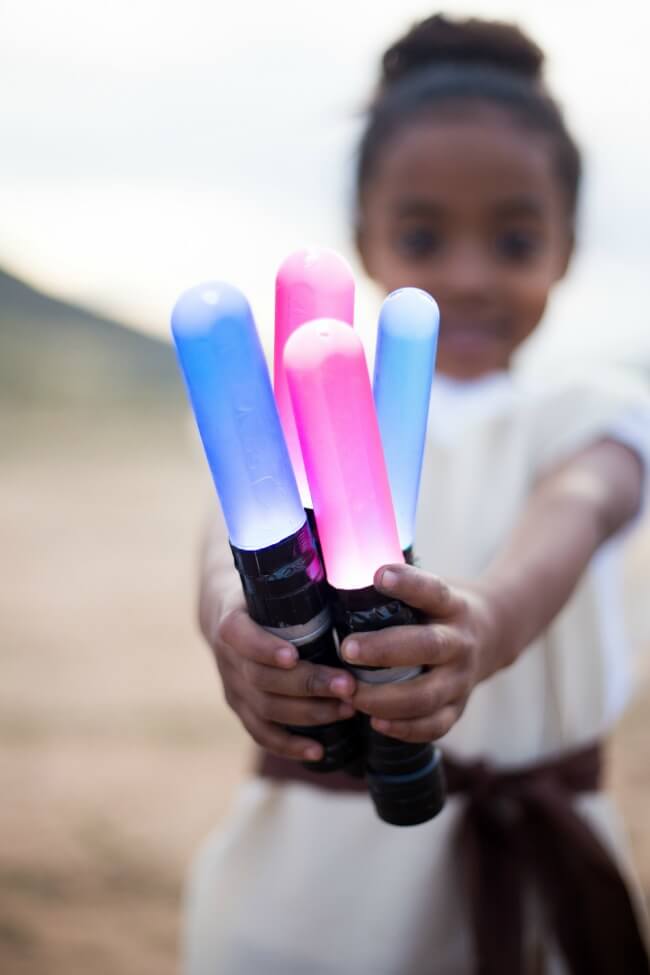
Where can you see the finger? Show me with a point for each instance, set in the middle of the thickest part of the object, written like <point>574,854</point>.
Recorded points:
<point>420,729</point>
<point>251,641</point>
<point>419,697</point>
<point>301,711</point>
<point>419,589</point>
<point>304,680</point>
<point>275,739</point>
<point>283,709</point>
<point>426,645</point>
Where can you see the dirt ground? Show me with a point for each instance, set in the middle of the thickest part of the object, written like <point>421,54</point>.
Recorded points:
<point>117,754</point>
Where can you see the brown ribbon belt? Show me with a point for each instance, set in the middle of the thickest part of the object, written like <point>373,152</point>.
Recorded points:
<point>519,826</point>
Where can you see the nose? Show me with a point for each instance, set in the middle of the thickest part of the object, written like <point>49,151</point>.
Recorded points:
<point>467,274</point>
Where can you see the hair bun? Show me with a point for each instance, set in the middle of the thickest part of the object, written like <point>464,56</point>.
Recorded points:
<point>439,40</point>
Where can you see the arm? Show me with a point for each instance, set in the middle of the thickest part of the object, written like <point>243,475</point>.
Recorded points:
<point>220,590</point>
<point>483,626</point>
<point>572,511</point>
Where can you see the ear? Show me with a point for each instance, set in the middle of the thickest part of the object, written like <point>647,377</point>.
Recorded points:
<point>361,245</point>
<point>566,256</point>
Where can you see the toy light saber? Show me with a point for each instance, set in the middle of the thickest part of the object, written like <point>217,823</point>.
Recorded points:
<point>311,283</point>
<point>404,362</point>
<point>272,544</point>
<point>341,446</point>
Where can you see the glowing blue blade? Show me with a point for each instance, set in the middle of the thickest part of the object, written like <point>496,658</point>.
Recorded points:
<point>230,391</point>
<point>404,364</point>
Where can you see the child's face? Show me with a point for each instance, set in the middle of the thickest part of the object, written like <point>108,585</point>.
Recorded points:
<point>469,208</point>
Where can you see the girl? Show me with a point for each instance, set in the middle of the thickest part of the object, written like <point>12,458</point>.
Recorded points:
<point>467,187</point>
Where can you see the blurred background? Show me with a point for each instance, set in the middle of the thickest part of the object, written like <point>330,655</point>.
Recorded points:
<point>147,145</point>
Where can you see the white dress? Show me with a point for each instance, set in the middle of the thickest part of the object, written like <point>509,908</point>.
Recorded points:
<point>304,882</point>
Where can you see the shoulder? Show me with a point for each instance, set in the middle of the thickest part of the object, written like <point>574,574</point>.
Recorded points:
<point>568,410</point>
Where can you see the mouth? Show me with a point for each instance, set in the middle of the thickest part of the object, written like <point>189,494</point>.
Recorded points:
<point>471,334</point>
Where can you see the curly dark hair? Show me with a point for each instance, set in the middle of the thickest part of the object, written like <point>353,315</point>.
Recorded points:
<point>439,61</point>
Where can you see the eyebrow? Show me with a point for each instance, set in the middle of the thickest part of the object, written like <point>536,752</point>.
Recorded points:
<point>514,206</point>
<point>418,208</point>
<point>518,206</point>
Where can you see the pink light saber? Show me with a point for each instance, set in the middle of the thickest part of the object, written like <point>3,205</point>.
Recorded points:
<point>341,446</point>
<point>312,283</point>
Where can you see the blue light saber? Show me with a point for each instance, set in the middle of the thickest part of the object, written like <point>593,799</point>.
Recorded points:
<point>228,383</point>
<point>404,363</point>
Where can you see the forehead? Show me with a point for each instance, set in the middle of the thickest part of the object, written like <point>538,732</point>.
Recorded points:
<point>478,160</point>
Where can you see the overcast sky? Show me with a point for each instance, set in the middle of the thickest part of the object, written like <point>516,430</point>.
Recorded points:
<point>147,145</point>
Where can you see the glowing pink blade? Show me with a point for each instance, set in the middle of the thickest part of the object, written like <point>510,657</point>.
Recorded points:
<point>310,284</point>
<point>339,436</point>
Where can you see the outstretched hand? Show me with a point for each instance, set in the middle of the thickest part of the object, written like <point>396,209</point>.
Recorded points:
<point>456,645</point>
<point>268,687</point>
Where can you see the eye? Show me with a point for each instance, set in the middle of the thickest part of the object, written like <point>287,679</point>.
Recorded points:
<point>418,242</point>
<point>518,246</point>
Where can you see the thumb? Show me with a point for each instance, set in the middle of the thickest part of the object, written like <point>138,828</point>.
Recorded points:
<point>418,589</point>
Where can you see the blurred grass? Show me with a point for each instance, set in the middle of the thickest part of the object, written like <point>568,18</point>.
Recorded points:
<point>117,753</point>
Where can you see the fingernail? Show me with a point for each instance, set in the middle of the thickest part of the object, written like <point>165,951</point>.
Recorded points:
<point>346,711</point>
<point>380,725</point>
<point>340,685</point>
<point>313,753</point>
<point>388,579</point>
<point>285,656</point>
<point>351,650</point>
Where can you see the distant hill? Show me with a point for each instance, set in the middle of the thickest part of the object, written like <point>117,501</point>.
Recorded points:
<point>56,353</point>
